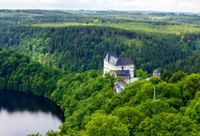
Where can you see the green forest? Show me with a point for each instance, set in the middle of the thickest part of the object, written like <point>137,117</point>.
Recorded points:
<point>92,107</point>
<point>59,55</point>
<point>150,45</point>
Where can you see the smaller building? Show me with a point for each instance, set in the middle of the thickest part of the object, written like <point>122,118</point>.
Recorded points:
<point>119,86</point>
<point>156,73</point>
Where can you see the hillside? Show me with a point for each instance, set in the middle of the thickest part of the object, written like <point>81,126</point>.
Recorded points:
<point>59,55</point>
<point>147,16</point>
<point>91,106</point>
<point>53,39</point>
<point>56,46</point>
<point>88,16</point>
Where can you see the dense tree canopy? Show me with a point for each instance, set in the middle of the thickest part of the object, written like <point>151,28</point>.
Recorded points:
<point>62,62</point>
<point>92,107</point>
<point>102,125</point>
<point>81,46</point>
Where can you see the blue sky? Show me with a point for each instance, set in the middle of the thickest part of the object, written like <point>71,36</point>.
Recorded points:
<point>145,5</point>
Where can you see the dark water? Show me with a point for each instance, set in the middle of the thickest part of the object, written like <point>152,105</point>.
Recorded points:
<point>22,114</point>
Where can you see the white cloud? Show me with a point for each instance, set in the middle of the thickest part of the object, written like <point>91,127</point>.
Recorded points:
<point>155,5</point>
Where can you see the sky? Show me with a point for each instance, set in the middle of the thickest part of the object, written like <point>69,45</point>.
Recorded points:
<point>133,5</point>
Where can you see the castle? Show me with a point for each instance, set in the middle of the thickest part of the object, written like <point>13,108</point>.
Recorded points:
<point>119,66</point>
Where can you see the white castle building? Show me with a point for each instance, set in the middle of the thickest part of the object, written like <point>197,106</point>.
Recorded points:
<point>119,66</point>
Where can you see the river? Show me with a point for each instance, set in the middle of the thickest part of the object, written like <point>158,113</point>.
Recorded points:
<point>22,114</point>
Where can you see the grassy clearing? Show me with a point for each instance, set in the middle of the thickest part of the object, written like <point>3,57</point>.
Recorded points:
<point>178,29</point>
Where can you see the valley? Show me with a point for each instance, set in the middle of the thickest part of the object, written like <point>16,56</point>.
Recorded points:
<point>59,55</point>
